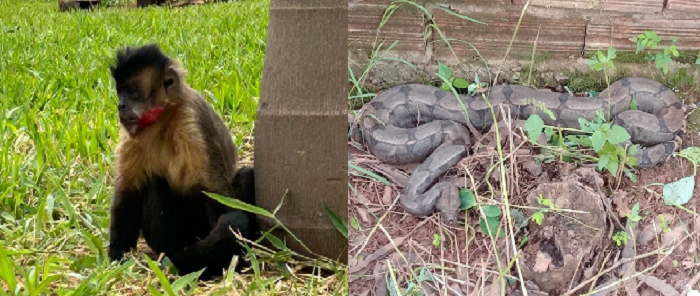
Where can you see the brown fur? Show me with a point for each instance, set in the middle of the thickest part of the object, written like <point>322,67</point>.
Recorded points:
<point>175,151</point>
<point>163,163</point>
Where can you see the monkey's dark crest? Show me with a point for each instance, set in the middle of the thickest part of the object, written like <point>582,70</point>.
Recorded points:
<point>131,61</point>
<point>172,147</point>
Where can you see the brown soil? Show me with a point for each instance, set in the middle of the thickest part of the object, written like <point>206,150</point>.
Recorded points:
<point>464,262</point>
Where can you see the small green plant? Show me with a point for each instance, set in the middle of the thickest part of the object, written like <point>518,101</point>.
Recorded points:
<point>633,215</point>
<point>662,59</point>
<point>620,238</point>
<point>646,39</point>
<point>355,223</point>
<point>600,62</point>
<point>445,73</point>
<point>467,199</point>
<point>436,239</point>
<point>664,224</point>
<point>697,61</point>
<point>491,222</point>
<point>538,216</point>
<point>602,136</point>
<point>605,139</point>
<point>493,213</point>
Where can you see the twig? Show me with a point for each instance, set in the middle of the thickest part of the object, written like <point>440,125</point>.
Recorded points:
<point>625,260</point>
<point>690,284</point>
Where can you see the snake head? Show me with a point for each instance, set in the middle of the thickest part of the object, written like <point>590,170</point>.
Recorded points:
<point>449,219</point>
<point>449,205</point>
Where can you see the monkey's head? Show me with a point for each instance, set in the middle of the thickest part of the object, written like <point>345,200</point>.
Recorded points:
<point>147,83</point>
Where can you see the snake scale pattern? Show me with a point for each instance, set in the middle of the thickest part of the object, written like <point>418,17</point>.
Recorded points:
<point>418,123</point>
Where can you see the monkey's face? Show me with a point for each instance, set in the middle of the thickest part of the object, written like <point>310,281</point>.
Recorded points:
<point>147,82</point>
<point>141,100</point>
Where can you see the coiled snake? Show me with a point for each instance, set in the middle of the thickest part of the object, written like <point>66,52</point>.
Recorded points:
<point>423,124</point>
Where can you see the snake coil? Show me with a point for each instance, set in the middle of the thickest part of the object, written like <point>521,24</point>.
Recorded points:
<point>422,124</point>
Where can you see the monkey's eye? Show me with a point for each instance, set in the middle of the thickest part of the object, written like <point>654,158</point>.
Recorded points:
<point>168,82</point>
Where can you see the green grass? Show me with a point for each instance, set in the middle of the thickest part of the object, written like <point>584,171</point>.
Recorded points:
<point>58,131</point>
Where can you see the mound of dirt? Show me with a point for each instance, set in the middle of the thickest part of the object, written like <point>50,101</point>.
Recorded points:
<point>566,244</point>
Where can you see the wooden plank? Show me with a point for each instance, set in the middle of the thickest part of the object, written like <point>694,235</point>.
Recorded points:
<point>633,6</point>
<point>692,6</point>
<point>603,32</point>
<point>578,4</point>
<point>563,36</point>
<point>405,26</point>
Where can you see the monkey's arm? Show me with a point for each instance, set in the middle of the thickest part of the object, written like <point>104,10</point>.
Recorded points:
<point>125,222</point>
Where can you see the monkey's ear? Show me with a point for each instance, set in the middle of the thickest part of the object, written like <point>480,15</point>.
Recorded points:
<point>172,80</point>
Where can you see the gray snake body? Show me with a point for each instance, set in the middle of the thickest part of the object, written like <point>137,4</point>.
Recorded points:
<point>422,124</point>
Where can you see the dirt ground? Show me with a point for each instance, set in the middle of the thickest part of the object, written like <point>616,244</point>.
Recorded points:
<point>557,255</point>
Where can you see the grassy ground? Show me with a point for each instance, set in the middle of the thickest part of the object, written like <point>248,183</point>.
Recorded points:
<point>58,130</point>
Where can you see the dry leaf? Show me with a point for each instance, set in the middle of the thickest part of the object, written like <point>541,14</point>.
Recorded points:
<point>386,198</point>
<point>541,262</point>
<point>659,285</point>
<point>362,212</point>
<point>359,266</point>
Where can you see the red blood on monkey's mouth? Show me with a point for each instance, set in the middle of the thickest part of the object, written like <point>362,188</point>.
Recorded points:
<point>150,116</point>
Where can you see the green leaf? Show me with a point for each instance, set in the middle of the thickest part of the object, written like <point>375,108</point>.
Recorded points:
<point>161,276</point>
<point>549,132</point>
<point>618,135</point>
<point>598,140</point>
<point>460,83</point>
<point>633,149</point>
<point>275,241</point>
<point>601,57</point>
<point>459,15</point>
<point>519,217</point>
<point>491,211</point>
<point>239,205</point>
<point>444,71</point>
<point>580,140</point>
<point>436,239</point>
<point>585,125</point>
<point>337,221</point>
<point>534,126</point>
<point>640,45</point>
<point>476,78</point>
<point>633,103</point>
<point>154,291</point>
<point>444,86</point>
<point>493,224</point>
<point>630,175</point>
<point>467,199</point>
<point>185,280</point>
<point>603,161</point>
<point>471,89</point>
<point>634,213</point>
<point>611,53</point>
<point>355,223</point>
<point>537,217</point>
<point>659,60</point>
<point>613,164</point>
<point>83,263</point>
<point>7,271</point>
<point>679,192</point>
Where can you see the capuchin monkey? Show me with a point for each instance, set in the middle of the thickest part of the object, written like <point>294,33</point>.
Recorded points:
<point>172,147</point>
